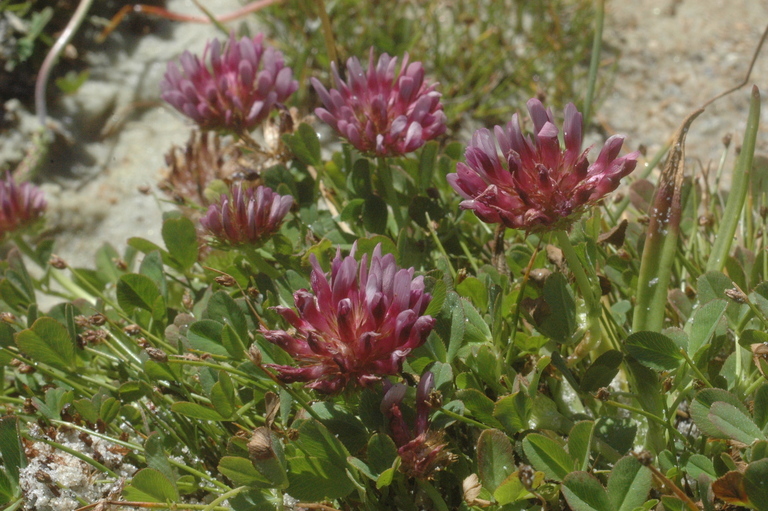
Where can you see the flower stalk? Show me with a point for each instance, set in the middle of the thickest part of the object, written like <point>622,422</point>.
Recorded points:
<point>388,190</point>
<point>591,297</point>
<point>739,188</point>
<point>330,43</point>
<point>660,247</point>
<point>594,62</point>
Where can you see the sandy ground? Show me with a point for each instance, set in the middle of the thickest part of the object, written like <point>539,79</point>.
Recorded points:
<point>675,55</point>
<point>96,200</point>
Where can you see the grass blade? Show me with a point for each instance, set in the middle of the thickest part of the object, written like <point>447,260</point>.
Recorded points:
<point>739,187</point>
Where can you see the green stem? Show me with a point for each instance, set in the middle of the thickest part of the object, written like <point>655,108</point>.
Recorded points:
<point>16,505</point>
<point>594,62</point>
<point>696,370</point>
<point>228,369</point>
<point>296,397</point>
<point>221,498</point>
<point>50,373</point>
<point>754,386</point>
<point>430,490</point>
<point>518,305</point>
<point>74,453</point>
<point>139,448</point>
<point>388,190</point>
<point>461,418</point>
<point>739,187</point>
<point>755,310</point>
<point>74,290</point>
<point>469,255</point>
<point>440,246</point>
<point>648,415</point>
<point>588,291</point>
<point>330,45</point>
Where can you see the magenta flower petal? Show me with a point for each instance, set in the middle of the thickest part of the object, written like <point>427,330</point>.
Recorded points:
<point>356,325</point>
<point>382,110</point>
<point>533,184</point>
<point>20,205</point>
<point>249,215</point>
<point>235,90</point>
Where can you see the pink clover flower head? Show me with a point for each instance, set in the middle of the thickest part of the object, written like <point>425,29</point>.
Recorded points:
<point>382,111</point>
<point>355,326</point>
<point>533,184</point>
<point>422,451</point>
<point>233,88</point>
<point>248,216</point>
<point>20,205</point>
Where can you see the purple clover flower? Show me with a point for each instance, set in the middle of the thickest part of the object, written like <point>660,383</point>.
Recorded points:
<point>356,325</point>
<point>20,205</point>
<point>250,215</point>
<point>230,89</point>
<point>534,185</point>
<point>382,111</point>
<point>422,451</point>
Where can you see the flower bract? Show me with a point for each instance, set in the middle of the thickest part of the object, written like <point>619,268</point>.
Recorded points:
<point>384,111</point>
<point>233,88</point>
<point>530,183</point>
<point>355,326</point>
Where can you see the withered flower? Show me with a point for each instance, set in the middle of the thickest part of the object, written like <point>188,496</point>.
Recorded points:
<point>422,451</point>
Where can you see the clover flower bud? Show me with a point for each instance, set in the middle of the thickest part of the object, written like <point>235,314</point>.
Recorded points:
<point>249,215</point>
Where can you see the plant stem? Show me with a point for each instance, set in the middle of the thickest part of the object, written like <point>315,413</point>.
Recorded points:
<point>53,55</point>
<point>594,62</point>
<point>591,298</point>
<point>74,290</point>
<point>648,415</point>
<point>430,490</point>
<point>739,186</point>
<point>440,246</point>
<point>388,190</point>
<point>518,304</point>
<point>696,370</point>
<point>50,373</point>
<point>330,44</point>
<point>754,386</point>
<point>461,418</point>
<point>221,498</point>
<point>74,453</point>
<point>661,240</point>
